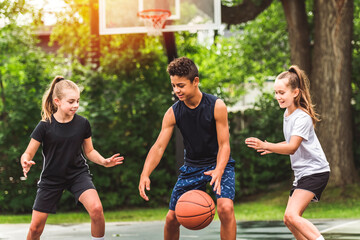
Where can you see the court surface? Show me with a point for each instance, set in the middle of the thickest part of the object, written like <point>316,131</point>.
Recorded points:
<point>275,230</point>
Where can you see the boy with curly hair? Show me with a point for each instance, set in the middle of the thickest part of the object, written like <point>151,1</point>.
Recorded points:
<point>203,122</point>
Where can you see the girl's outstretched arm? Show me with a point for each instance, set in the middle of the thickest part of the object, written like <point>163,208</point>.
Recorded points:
<point>26,159</point>
<point>280,148</point>
<point>95,157</point>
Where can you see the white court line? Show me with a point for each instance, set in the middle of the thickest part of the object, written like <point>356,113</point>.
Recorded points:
<point>338,226</point>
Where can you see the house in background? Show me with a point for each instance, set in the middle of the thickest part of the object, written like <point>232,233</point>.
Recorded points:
<point>253,93</point>
<point>43,33</point>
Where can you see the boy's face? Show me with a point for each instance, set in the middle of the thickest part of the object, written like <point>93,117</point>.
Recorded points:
<point>183,87</point>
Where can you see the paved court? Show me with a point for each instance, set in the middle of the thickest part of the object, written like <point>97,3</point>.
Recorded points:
<point>273,230</point>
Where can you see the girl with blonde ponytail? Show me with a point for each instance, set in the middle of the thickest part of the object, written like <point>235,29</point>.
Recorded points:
<point>298,80</point>
<point>66,140</point>
<point>48,105</point>
<point>311,169</point>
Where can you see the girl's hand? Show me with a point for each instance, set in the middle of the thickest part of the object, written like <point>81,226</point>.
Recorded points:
<point>26,165</point>
<point>258,145</point>
<point>263,151</point>
<point>255,143</point>
<point>113,160</point>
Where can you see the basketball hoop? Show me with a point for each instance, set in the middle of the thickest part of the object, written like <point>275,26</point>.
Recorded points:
<point>154,20</point>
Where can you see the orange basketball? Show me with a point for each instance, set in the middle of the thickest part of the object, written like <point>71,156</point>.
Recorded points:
<point>195,209</point>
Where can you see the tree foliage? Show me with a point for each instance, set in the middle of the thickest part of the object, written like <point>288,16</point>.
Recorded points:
<point>24,73</point>
<point>126,101</point>
<point>126,97</point>
<point>253,52</point>
<point>320,43</point>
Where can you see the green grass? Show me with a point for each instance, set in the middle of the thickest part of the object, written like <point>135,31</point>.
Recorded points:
<point>80,217</point>
<point>335,203</point>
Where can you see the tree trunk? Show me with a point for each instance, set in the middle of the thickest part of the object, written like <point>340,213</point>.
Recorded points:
<point>329,69</point>
<point>331,85</point>
<point>298,28</point>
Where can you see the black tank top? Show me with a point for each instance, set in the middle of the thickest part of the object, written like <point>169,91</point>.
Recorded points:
<point>198,129</point>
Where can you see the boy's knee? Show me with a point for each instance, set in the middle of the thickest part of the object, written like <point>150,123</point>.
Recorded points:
<point>225,210</point>
<point>171,219</point>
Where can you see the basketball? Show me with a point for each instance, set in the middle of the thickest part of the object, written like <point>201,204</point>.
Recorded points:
<point>195,209</point>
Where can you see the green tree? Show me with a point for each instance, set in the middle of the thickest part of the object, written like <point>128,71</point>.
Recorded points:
<point>323,50</point>
<point>25,72</point>
<point>131,88</point>
<point>356,83</point>
<point>124,100</point>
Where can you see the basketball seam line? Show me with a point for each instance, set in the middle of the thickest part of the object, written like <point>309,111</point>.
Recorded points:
<point>195,203</point>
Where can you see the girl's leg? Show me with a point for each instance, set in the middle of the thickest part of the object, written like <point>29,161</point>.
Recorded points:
<point>300,227</point>
<point>91,201</point>
<point>37,225</point>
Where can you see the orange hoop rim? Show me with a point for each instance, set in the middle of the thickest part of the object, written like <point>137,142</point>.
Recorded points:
<point>154,14</point>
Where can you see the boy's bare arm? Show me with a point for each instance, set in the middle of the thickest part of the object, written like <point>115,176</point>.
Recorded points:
<point>156,152</point>
<point>222,129</point>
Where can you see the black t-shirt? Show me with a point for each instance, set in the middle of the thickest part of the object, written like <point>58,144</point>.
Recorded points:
<point>62,149</point>
<point>198,128</point>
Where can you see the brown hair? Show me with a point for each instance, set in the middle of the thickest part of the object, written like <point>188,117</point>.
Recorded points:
<point>55,91</point>
<point>183,67</point>
<point>298,79</point>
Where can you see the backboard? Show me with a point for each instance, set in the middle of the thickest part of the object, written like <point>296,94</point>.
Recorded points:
<point>121,16</point>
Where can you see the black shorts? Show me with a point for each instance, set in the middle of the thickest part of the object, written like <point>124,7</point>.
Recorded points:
<point>48,197</point>
<point>314,183</point>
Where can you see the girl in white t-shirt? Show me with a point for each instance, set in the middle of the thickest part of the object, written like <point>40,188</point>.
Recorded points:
<point>308,160</point>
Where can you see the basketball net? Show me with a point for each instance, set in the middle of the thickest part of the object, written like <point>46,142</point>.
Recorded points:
<point>154,20</point>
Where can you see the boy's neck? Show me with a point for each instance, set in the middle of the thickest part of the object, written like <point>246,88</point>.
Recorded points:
<point>195,100</point>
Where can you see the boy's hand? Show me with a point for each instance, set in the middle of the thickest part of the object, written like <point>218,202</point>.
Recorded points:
<point>113,160</point>
<point>26,165</point>
<point>216,179</point>
<point>144,183</point>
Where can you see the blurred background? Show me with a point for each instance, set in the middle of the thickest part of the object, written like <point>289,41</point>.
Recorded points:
<point>126,90</point>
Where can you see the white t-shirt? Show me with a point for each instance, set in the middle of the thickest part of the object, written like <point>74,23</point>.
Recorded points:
<point>309,158</point>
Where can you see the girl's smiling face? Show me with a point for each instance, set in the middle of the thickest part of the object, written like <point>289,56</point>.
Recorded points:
<point>284,94</point>
<point>69,104</point>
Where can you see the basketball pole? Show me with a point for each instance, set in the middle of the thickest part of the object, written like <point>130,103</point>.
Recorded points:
<point>94,54</point>
<point>171,52</point>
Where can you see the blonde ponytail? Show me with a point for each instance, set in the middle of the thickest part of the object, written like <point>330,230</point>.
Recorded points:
<point>48,106</point>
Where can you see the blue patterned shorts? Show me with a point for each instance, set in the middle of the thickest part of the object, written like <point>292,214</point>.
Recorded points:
<point>191,178</point>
